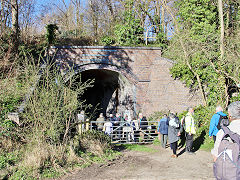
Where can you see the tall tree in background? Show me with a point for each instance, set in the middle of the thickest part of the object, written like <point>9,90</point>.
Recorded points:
<point>9,41</point>
<point>220,14</point>
<point>27,21</point>
<point>95,14</point>
<point>99,18</point>
<point>129,31</point>
<point>15,26</point>
<point>196,48</point>
<point>4,16</point>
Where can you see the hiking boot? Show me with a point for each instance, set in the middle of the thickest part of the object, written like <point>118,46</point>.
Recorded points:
<point>174,156</point>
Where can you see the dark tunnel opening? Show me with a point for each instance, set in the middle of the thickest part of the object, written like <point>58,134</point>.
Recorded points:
<point>104,92</point>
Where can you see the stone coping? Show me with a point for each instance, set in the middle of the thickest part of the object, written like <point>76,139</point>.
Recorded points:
<point>104,47</point>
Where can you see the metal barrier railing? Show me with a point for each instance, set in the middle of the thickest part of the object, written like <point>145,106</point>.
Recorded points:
<point>127,132</point>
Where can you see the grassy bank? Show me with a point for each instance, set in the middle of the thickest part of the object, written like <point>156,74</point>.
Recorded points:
<point>45,142</point>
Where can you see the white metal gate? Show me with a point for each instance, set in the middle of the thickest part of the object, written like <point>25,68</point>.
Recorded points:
<point>125,132</point>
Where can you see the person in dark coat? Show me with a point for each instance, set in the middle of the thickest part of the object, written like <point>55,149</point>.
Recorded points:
<point>143,124</point>
<point>173,133</point>
<point>163,130</point>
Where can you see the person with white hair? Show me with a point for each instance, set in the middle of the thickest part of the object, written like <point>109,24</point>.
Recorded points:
<point>234,126</point>
<point>214,123</point>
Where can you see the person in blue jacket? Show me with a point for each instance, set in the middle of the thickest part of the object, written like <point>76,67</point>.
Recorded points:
<point>163,130</point>
<point>213,130</point>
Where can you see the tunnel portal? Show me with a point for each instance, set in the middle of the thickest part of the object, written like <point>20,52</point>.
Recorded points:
<point>111,92</point>
<point>138,78</point>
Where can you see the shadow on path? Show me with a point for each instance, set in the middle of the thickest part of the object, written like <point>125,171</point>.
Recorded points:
<point>181,152</point>
<point>199,141</point>
<point>196,143</point>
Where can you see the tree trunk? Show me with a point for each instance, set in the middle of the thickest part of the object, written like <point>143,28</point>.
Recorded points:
<point>163,20</point>
<point>4,14</point>
<point>220,13</point>
<point>15,29</point>
<point>77,5</point>
<point>222,77</point>
<point>94,16</point>
<point>186,54</point>
<point>110,8</point>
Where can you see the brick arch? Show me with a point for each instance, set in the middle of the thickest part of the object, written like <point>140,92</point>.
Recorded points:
<point>127,73</point>
<point>127,85</point>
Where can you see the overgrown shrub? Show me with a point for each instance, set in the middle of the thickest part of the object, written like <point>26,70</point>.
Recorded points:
<point>42,139</point>
<point>43,134</point>
<point>93,142</point>
<point>107,40</point>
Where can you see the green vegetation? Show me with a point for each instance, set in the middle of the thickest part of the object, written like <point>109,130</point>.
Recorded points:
<point>208,145</point>
<point>196,49</point>
<point>130,32</point>
<point>137,147</point>
<point>51,33</point>
<point>201,62</point>
<point>45,143</point>
<point>203,43</point>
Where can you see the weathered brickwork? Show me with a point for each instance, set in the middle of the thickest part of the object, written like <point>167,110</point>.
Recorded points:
<point>146,70</point>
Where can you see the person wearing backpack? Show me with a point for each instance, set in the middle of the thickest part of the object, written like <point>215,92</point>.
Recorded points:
<point>227,147</point>
<point>173,133</point>
<point>190,130</point>
<point>163,130</point>
<point>215,122</point>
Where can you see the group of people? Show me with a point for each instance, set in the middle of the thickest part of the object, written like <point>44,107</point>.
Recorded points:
<point>171,128</point>
<point>216,131</point>
<point>224,130</point>
<point>117,126</point>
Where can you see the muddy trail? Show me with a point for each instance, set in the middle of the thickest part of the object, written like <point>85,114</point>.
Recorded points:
<point>150,165</point>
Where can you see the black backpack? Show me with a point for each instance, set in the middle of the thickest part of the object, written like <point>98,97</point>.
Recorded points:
<point>223,121</point>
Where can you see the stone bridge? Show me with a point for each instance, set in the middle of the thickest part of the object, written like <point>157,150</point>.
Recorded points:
<point>131,79</point>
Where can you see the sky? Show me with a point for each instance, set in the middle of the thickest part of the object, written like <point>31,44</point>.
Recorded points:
<point>47,2</point>
<point>41,3</point>
<point>44,6</point>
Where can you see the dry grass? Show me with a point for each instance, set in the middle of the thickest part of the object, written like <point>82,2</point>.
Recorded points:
<point>8,145</point>
<point>41,155</point>
<point>45,124</point>
<point>92,142</point>
<point>93,146</point>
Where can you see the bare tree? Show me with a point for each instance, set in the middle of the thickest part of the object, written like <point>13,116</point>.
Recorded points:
<point>4,15</point>
<point>27,19</point>
<point>220,12</point>
<point>15,27</point>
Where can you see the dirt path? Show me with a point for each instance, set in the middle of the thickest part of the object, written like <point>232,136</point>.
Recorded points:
<point>155,165</point>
